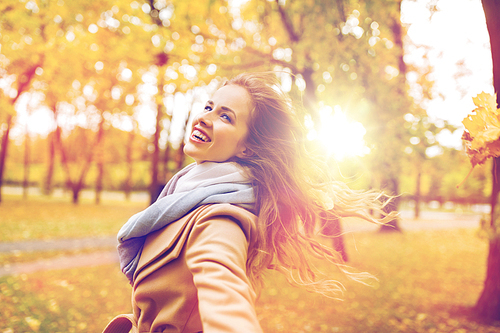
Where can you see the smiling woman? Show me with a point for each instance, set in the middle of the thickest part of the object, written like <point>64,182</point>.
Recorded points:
<point>255,199</point>
<point>218,133</point>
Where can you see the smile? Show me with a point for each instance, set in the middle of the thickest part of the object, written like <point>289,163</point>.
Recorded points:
<point>200,136</point>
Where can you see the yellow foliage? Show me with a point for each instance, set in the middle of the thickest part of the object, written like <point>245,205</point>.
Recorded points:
<point>482,130</point>
<point>33,323</point>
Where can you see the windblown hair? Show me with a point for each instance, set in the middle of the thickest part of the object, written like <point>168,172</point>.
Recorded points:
<point>294,192</point>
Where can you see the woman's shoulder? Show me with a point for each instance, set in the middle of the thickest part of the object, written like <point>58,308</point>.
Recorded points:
<point>241,216</point>
<point>168,242</point>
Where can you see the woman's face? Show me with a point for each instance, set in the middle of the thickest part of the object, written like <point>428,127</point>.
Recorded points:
<point>219,132</point>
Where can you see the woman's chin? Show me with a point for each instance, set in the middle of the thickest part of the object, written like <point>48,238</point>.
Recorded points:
<point>189,150</point>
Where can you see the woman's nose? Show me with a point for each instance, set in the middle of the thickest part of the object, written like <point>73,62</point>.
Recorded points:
<point>205,119</point>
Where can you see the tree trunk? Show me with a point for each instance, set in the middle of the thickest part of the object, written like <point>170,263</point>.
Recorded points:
<point>155,158</point>
<point>96,146</point>
<point>392,181</point>
<point>26,177</point>
<point>24,82</point>
<point>98,183</point>
<point>3,151</point>
<point>495,188</point>
<point>180,156</point>
<point>166,172</point>
<point>488,304</point>
<point>333,229</point>
<point>75,191</point>
<point>166,158</point>
<point>391,185</point>
<point>77,186</point>
<point>100,161</point>
<point>64,159</point>
<point>130,165</point>
<point>341,10</point>
<point>418,194</point>
<point>47,186</point>
<point>53,142</point>
<point>310,99</point>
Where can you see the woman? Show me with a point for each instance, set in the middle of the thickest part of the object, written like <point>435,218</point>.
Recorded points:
<point>254,199</point>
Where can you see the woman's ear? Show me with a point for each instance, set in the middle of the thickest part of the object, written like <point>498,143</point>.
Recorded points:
<point>245,153</point>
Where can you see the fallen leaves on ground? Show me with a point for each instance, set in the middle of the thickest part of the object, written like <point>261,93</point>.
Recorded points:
<point>427,282</point>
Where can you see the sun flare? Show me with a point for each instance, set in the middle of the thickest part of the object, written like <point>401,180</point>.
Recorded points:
<point>340,136</point>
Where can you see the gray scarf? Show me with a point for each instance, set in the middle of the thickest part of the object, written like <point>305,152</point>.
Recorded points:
<point>193,186</point>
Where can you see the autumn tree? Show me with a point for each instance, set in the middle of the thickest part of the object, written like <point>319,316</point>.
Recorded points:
<point>180,64</point>
<point>488,304</point>
<point>421,147</point>
<point>92,85</point>
<point>20,57</point>
<point>27,152</point>
<point>348,54</point>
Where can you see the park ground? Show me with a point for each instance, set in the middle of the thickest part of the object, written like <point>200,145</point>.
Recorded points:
<point>59,273</point>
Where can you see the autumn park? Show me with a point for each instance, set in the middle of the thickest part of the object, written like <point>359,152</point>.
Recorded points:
<point>97,101</point>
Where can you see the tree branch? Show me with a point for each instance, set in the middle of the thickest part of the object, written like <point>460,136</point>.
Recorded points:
<point>269,57</point>
<point>294,37</point>
<point>340,8</point>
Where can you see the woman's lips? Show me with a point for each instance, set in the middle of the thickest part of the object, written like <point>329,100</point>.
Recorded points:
<point>200,136</point>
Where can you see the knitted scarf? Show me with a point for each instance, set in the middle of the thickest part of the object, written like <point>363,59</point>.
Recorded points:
<point>193,186</point>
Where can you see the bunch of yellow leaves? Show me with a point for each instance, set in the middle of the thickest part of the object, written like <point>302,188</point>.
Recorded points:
<point>482,130</point>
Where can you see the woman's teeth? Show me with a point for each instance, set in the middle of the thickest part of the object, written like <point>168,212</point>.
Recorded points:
<point>200,136</point>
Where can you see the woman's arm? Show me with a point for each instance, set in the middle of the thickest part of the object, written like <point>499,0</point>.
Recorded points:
<point>216,255</point>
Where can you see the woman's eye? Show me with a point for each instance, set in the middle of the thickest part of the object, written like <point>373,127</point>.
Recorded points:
<point>226,117</point>
<point>208,108</point>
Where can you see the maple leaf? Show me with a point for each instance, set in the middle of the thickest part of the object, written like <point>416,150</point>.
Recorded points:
<point>487,101</point>
<point>482,131</point>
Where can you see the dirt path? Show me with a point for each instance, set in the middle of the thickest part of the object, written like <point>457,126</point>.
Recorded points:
<point>58,244</point>
<point>64,262</point>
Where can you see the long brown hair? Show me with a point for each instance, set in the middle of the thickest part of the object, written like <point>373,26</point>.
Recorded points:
<point>294,193</point>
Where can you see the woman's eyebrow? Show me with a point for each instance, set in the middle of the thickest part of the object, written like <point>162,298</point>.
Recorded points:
<point>225,108</point>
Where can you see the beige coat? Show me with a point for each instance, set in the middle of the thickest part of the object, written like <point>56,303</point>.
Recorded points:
<point>191,276</point>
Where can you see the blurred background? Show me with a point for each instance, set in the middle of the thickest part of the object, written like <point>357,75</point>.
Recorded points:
<point>98,96</point>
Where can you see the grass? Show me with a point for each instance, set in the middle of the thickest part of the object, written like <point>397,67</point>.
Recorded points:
<point>74,300</point>
<point>42,218</point>
<point>427,281</point>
